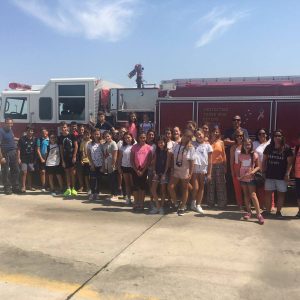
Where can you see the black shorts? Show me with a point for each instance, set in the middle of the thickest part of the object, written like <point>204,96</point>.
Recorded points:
<point>298,188</point>
<point>68,162</point>
<point>139,182</point>
<point>54,170</point>
<point>127,170</point>
<point>41,166</point>
<point>85,169</point>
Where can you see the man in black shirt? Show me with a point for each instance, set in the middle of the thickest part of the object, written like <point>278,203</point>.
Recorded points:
<point>26,156</point>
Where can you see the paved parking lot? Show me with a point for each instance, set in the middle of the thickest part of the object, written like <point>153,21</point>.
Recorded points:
<point>52,248</point>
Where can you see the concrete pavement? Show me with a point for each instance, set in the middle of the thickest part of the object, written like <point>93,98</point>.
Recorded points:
<point>74,249</point>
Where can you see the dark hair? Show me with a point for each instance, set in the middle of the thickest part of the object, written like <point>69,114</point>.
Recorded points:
<point>43,128</point>
<point>282,144</point>
<point>107,132</point>
<point>63,123</point>
<point>251,152</point>
<point>257,133</point>
<point>168,129</point>
<point>101,113</point>
<point>124,141</point>
<point>161,138</point>
<point>193,123</point>
<point>29,127</point>
<point>130,121</point>
<point>8,119</point>
<point>73,123</point>
<point>149,131</point>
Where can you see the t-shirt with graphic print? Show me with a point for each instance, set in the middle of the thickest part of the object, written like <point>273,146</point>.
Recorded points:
<point>27,148</point>
<point>277,161</point>
<point>68,144</point>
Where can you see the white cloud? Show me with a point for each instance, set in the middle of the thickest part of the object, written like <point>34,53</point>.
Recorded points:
<point>219,24</point>
<point>94,19</point>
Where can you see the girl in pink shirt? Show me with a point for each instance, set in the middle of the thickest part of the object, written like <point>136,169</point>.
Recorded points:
<point>141,156</point>
<point>248,166</point>
<point>133,125</point>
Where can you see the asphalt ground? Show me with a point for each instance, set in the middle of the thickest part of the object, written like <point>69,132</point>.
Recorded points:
<point>51,248</point>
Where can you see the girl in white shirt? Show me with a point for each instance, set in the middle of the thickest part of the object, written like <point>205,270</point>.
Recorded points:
<point>202,169</point>
<point>53,165</point>
<point>124,164</point>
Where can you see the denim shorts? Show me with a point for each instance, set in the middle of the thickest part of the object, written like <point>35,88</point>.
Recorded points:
<point>275,185</point>
<point>27,167</point>
<point>160,179</point>
<point>252,183</point>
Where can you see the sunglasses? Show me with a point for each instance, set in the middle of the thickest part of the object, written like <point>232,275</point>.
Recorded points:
<point>278,135</point>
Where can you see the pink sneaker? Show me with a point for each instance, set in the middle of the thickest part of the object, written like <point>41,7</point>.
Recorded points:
<point>247,216</point>
<point>261,220</point>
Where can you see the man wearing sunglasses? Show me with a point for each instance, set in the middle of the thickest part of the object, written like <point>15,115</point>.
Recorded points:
<point>229,133</point>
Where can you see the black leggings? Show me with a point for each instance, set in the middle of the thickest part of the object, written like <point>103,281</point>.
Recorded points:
<point>95,177</point>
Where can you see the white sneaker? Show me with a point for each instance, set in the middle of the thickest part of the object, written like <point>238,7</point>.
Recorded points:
<point>127,200</point>
<point>199,209</point>
<point>114,198</point>
<point>193,205</point>
<point>43,190</point>
<point>154,211</point>
<point>91,196</point>
<point>161,211</point>
<point>89,192</point>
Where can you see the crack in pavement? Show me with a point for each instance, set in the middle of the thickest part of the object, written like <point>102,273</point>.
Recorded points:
<point>111,260</point>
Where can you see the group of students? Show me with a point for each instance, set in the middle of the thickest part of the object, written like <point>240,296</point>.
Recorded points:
<point>176,165</point>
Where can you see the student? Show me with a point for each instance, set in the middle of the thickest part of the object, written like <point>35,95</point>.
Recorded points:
<point>217,184</point>
<point>41,149</point>
<point>161,174</point>
<point>168,136</point>
<point>102,124</point>
<point>182,169</point>
<point>95,155</point>
<point>235,151</point>
<point>79,168</point>
<point>84,159</point>
<point>124,164</point>
<point>248,166</point>
<point>110,154</point>
<point>202,169</point>
<point>53,165</point>
<point>26,157</point>
<point>150,140</point>
<point>176,134</point>
<point>141,156</point>
<point>68,151</point>
<point>146,125</point>
<point>205,128</point>
<point>133,125</point>
<point>74,128</point>
<point>259,145</point>
<point>277,165</point>
<point>297,173</point>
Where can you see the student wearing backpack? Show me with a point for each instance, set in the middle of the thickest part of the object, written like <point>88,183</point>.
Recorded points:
<point>41,150</point>
<point>26,156</point>
<point>53,165</point>
<point>68,152</point>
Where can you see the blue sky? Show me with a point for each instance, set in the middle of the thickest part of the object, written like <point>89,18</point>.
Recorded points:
<point>172,39</point>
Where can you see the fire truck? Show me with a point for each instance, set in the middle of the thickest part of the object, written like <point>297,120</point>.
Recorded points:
<point>269,102</point>
<point>262,102</point>
<point>72,99</point>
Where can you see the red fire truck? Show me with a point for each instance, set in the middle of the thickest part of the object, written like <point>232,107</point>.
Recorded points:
<point>269,102</point>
